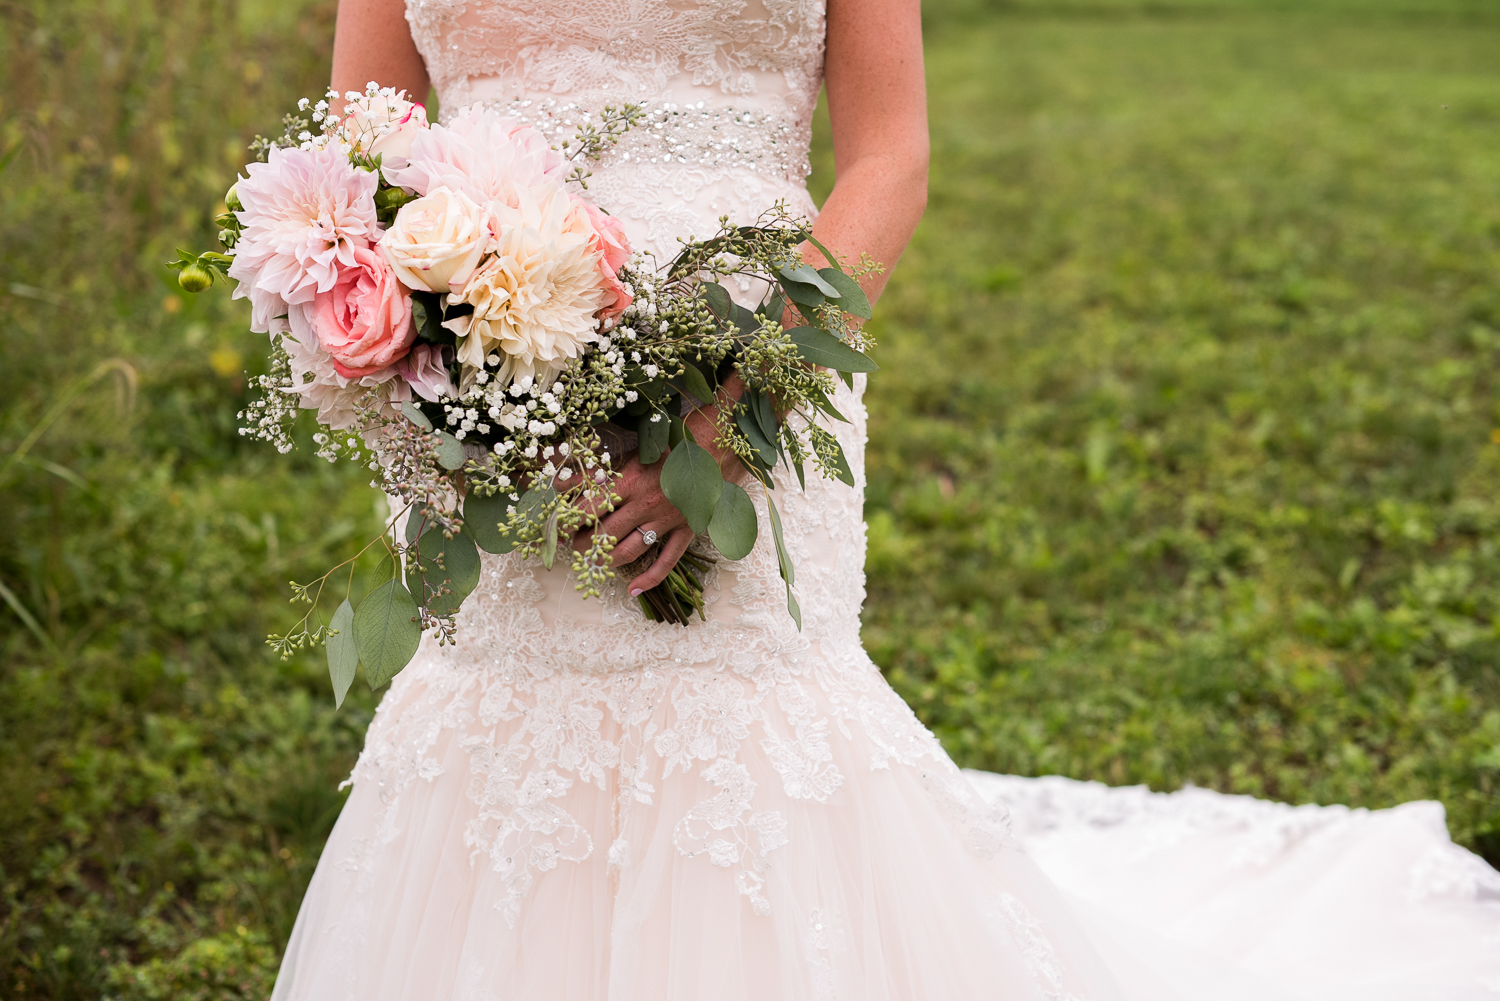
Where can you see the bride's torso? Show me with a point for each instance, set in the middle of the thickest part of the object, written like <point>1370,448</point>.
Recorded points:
<point>729,87</point>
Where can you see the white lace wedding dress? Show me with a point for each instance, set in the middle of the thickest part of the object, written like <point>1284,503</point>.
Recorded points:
<point>575,804</point>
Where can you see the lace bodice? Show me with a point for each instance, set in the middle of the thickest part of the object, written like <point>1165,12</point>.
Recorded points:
<point>636,50</point>
<point>730,86</point>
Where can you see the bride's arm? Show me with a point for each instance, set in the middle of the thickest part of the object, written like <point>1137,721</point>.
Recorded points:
<point>372,42</point>
<point>877,105</point>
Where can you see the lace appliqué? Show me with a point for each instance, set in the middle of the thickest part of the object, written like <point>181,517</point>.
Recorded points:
<point>719,829</point>
<point>1036,949</point>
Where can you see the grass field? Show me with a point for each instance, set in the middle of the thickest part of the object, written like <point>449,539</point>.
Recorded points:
<point>1184,461</point>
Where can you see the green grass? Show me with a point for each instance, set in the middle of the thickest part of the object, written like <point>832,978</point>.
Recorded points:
<point>1187,475</point>
<point>1181,468</point>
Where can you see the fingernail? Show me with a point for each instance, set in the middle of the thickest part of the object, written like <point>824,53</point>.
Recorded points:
<point>636,593</point>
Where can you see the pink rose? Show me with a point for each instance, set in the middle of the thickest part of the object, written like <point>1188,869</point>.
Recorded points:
<point>423,372</point>
<point>364,321</point>
<point>610,242</point>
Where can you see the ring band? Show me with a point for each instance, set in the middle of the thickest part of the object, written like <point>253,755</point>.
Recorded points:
<point>647,534</point>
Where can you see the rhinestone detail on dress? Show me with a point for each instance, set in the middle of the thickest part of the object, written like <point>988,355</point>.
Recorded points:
<point>699,134</point>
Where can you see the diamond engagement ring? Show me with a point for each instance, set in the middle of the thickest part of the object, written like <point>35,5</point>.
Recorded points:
<point>647,534</point>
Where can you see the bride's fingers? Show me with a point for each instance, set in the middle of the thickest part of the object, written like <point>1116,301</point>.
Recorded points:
<point>671,552</point>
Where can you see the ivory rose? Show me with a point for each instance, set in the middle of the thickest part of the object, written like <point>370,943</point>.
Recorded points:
<point>437,241</point>
<point>364,321</point>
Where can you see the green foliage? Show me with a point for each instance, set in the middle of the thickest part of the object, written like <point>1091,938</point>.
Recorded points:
<point>1182,464</point>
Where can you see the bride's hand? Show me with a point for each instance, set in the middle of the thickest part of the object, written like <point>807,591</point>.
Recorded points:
<point>643,505</point>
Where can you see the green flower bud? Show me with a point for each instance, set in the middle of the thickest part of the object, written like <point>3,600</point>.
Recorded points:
<point>232,198</point>
<point>195,278</point>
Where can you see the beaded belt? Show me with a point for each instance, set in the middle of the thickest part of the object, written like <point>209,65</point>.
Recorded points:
<point>697,134</point>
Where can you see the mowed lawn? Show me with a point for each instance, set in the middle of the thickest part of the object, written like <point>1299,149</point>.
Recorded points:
<point>1184,459</point>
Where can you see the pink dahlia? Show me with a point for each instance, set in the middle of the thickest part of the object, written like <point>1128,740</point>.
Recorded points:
<point>306,211</point>
<point>480,153</point>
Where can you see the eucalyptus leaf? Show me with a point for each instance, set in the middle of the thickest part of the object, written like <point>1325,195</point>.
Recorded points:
<point>808,275</point>
<point>823,403</point>
<point>386,632</point>
<point>852,298</point>
<point>775,308</point>
<point>416,523</point>
<point>459,572</point>
<point>427,316</point>
<point>653,437</point>
<point>745,421</point>
<point>718,299</point>
<point>744,319</point>
<point>343,658</point>
<point>450,451</point>
<point>841,464</point>
<point>384,571</point>
<point>801,474</point>
<point>676,432</point>
<point>785,559</point>
<point>827,254</point>
<point>693,383</point>
<point>823,349</point>
<point>734,526</point>
<point>549,542</point>
<point>413,413</point>
<point>482,519</point>
<point>765,416</point>
<point>803,295</point>
<point>691,480</point>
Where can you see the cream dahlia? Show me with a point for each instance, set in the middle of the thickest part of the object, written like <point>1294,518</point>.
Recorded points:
<point>536,301</point>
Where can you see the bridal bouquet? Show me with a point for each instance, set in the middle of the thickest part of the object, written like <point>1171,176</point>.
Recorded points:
<point>482,337</point>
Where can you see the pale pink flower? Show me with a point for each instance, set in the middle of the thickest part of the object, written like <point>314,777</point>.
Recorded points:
<point>364,321</point>
<point>383,124</point>
<point>315,378</point>
<point>609,240</point>
<point>423,371</point>
<point>481,153</point>
<point>305,213</point>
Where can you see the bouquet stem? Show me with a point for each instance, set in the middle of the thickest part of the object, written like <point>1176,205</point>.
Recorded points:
<point>681,594</point>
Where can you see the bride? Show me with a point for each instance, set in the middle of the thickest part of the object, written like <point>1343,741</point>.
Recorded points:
<point>739,809</point>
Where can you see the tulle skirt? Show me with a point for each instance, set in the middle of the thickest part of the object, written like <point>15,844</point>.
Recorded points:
<point>722,872</point>
<point>679,884</point>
